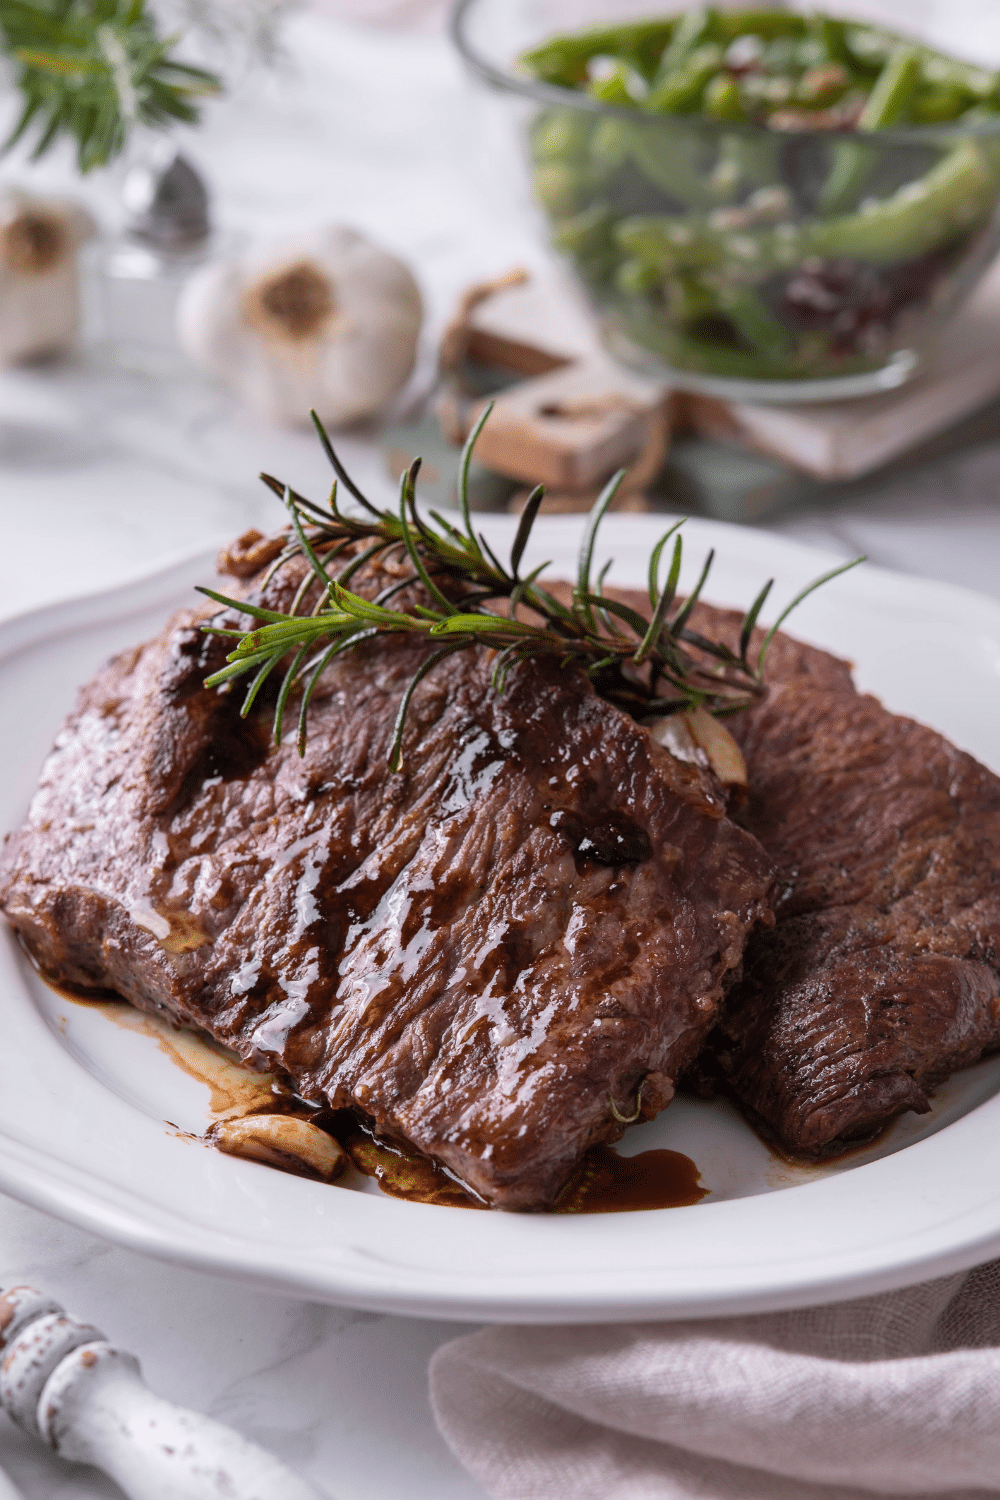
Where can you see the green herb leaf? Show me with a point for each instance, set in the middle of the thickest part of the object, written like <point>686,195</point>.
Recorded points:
<point>461,577</point>
<point>93,72</point>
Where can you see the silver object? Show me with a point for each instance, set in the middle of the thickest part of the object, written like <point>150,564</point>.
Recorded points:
<point>168,203</point>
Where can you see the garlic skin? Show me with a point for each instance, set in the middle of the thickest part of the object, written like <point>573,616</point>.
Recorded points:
<point>327,321</point>
<point>695,736</point>
<point>280,1140</point>
<point>39,274</point>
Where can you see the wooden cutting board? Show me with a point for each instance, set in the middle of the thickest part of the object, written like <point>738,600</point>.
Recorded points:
<point>831,441</point>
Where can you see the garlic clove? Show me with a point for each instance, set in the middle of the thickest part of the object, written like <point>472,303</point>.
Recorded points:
<point>39,274</point>
<point>327,321</point>
<point>698,738</point>
<point>280,1141</point>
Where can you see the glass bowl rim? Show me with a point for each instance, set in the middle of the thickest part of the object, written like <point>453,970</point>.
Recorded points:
<point>552,94</point>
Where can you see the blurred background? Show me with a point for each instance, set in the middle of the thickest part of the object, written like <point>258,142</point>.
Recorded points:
<point>127,446</point>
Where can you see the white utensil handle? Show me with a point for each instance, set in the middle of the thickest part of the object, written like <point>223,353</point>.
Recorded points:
<point>7,1490</point>
<point>96,1409</point>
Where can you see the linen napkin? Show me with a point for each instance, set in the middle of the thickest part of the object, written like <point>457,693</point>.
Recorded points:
<point>891,1395</point>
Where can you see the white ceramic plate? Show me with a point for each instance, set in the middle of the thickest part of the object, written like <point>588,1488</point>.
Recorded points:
<point>84,1102</point>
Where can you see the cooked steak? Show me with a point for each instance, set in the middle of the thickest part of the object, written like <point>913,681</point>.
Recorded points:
<point>484,954</point>
<point>882,974</point>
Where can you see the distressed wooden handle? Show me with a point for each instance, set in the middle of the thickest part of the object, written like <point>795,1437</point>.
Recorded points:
<point>65,1383</point>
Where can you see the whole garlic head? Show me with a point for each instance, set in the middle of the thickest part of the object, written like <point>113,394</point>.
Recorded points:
<point>328,321</point>
<point>39,274</point>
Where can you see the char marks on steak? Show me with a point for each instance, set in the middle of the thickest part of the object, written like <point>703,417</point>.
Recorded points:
<point>882,974</point>
<point>540,911</point>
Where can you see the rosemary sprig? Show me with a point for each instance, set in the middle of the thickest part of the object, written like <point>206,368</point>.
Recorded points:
<point>93,69</point>
<point>653,666</point>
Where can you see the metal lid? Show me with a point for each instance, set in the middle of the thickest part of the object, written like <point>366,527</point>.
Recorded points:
<point>168,203</point>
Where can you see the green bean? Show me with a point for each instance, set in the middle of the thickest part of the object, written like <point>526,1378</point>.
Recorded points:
<point>679,91</point>
<point>755,321</point>
<point>852,162</point>
<point>672,164</point>
<point>564,59</point>
<point>696,26</point>
<point>937,103</point>
<point>671,244</point>
<point>723,99</point>
<point>833,34</point>
<point>561,135</point>
<point>767,24</point>
<point>558,187</point>
<point>685,349</point>
<point>561,175</point>
<point>613,88</point>
<point>692,281</point>
<point>688,298</point>
<point>892,92</point>
<point>609,147</point>
<point>852,166</point>
<point>952,197</point>
<point>588,237</point>
<point>637,277</point>
<point>978,83</point>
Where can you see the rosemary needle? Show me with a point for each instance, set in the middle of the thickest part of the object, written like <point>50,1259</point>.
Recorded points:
<point>655,665</point>
<point>93,72</point>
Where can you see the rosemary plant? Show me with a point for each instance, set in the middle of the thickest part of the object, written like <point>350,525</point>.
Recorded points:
<point>91,70</point>
<point>649,665</point>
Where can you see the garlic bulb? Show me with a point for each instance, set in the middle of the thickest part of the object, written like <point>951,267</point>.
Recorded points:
<point>326,321</point>
<point>39,274</point>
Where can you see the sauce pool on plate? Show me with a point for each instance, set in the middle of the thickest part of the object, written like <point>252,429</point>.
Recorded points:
<point>607,1182</point>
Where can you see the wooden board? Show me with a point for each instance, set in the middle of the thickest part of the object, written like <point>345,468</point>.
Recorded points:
<point>831,441</point>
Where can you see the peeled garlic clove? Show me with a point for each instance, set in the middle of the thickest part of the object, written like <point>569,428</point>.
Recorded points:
<point>697,737</point>
<point>327,321</point>
<point>39,274</point>
<point>281,1141</point>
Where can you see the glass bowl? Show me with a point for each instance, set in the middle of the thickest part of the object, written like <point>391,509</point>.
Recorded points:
<point>737,260</point>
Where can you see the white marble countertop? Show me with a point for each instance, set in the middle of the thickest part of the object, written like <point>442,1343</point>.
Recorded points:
<point>104,476</point>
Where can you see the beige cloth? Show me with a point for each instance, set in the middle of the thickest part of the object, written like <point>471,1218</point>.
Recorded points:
<point>892,1395</point>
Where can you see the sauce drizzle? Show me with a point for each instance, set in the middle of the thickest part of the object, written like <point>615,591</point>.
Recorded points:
<point>606,1183</point>
<point>610,1183</point>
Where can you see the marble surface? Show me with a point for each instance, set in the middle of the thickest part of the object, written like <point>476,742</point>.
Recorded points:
<point>104,476</point>
<point>340,1395</point>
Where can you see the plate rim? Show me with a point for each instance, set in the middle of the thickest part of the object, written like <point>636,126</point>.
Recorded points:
<point>113,1211</point>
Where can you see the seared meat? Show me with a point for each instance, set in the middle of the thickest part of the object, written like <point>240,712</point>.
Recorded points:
<point>882,974</point>
<point>480,954</point>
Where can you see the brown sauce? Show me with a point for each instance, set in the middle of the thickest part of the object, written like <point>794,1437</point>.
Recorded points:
<point>606,1183</point>
<point>609,1183</point>
<point>399,1172</point>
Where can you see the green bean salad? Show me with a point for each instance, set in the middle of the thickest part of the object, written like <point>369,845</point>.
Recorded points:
<point>756,194</point>
<point>769,67</point>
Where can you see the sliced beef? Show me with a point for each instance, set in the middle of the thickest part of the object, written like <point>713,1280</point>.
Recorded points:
<point>882,974</point>
<point>484,954</point>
